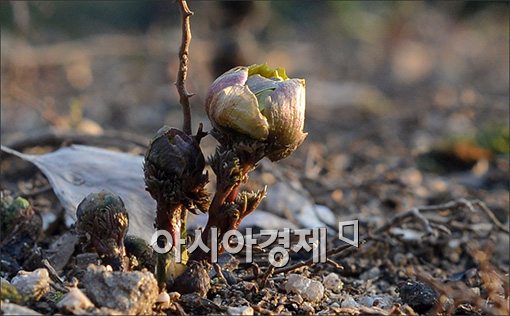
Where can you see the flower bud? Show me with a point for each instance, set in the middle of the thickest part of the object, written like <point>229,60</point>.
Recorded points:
<point>261,103</point>
<point>174,170</point>
<point>103,218</point>
<point>174,176</point>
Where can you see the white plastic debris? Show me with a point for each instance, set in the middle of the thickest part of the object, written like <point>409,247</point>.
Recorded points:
<point>309,289</point>
<point>332,282</point>
<point>240,310</point>
<point>32,284</point>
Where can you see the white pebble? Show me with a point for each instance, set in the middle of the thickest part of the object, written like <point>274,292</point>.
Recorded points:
<point>333,282</point>
<point>349,302</point>
<point>33,284</point>
<point>310,290</point>
<point>163,298</point>
<point>75,302</point>
<point>240,310</point>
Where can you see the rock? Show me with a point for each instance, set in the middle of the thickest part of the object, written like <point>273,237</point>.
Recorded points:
<point>333,282</point>
<point>298,299</point>
<point>61,250</point>
<point>382,301</point>
<point>83,260</point>
<point>309,289</point>
<point>241,310</point>
<point>163,300</point>
<point>174,296</point>
<point>400,259</point>
<point>307,308</point>
<point>370,274</point>
<point>33,284</point>
<point>195,279</point>
<point>349,302</point>
<point>75,302</point>
<point>420,296</point>
<point>14,309</point>
<point>128,292</point>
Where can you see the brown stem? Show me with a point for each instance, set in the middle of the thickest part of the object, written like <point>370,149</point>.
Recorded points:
<point>182,74</point>
<point>214,219</point>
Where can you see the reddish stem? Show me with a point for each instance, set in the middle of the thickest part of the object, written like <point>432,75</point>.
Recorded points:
<point>217,217</point>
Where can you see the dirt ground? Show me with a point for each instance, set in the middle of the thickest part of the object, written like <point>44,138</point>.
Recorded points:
<point>407,109</point>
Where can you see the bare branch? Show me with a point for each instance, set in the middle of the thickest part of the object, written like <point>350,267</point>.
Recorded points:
<point>491,216</point>
<point>182,74</point>
<point>416,213</point>
<point>332,252</point>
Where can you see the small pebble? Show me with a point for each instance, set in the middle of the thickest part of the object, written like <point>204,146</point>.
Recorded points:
<point>349,302</point>
<point>32,284</point>
<point>420,296</point>
<point>366,301</point>
<point>399,259</point>
<point>163,298</point>
<point>128,292</point>
<point>308,308</point>
<point>382,301</point>
<point>75,302</point>
<point>333,282</point>
<point>240,310</point>
<point>298,299</point>
<point>83,260</point>
<point>370,274</point>
<point>249,286</point>
<point>174,296</point>
<point>309,289</point>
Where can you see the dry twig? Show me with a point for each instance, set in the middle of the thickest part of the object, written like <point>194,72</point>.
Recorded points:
<point>333,252</point>
<point>182,74</point>
<point>58,282</point>
<point>416,213</point>
<point>267,275</point>
<point>491,216</point>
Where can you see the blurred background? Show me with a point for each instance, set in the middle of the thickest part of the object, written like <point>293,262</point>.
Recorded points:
<point>417,84</point>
